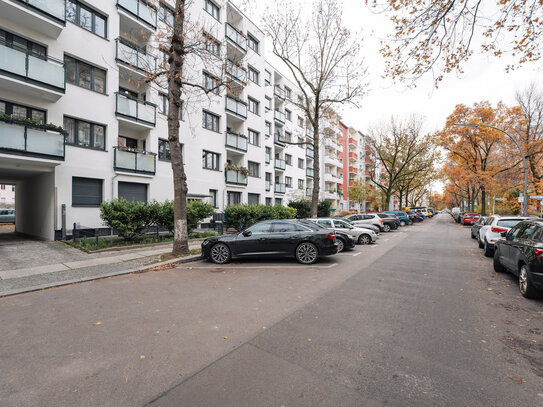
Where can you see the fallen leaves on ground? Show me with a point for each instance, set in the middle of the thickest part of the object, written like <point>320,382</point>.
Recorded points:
<point>517,380</point>
<point>98,323</point>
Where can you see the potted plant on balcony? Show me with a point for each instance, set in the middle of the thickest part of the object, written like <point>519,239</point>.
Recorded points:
<point>233,167</point>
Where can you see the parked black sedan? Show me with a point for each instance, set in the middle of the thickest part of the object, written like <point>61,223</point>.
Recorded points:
<point>284,238</point>
<point>520,251</point>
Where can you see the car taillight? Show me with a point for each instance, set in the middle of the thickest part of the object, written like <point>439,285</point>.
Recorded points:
<point>538,253</point>
<point>330,236</point>
<point>381,220</point>
<point>497,229</point>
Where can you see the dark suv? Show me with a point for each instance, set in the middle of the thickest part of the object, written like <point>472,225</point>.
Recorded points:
<point>520,251</point>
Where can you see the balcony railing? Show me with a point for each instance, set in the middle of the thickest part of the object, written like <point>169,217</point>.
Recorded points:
<point>141,10</point>
<point>134,57</point>
<point>236,37</point>
<point>25,139</point>
<point>353,170</point>
<point>44,71</point>
<point>268,158</point>
<point>236,106</point>
<point>235,177</point>
<point>137,110</point>
<point>309,191</point>
<point>279,188</point>
<point>310,172</point>
<point>236,141</point>
<point>309,152</point>
<point>279,116</point>
<point>53,8</point>
<point>279,92</point>
<point>278,138</point>
<point>141,162</point>
<point>268,185</point>
<point>280,164</point>
<point>353,156</point>
<point>237,72</point>
<point>353,142</point>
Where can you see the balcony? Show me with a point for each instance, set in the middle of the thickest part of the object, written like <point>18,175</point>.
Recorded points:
<point>22,73</point>
<point>279,188</point>
<point>309,153</point>
<point>236,37</point>
<point>135,57</point>
<point>140,162</point>
<point>20,138</point>
<point>367,174</point>
<point>309,191</point>
<point>352,142</point>
<point>278,138</point>
<point>353,156</point>
<point>353,170</point>
<point>141,11</point>
<point>279,116</point>
<point>330,195</point>
<point>236,141</point>
<point>279,164</point>
<point>279,92</point>
<point>268,185</point>
<point>309,172</point>
<point>45,17</point>
<point>236,106</point>
<point>143,113</point>
<point>268,158</point>
<point>235,177</point>
<point>236,72</point>
<point>331,160</point>
<point>329,177</point>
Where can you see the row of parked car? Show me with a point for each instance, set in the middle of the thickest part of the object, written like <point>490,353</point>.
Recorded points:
<point>516,245</point>
<point>307,239</point>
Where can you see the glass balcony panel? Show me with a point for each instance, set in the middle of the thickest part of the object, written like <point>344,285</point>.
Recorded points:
<point>146,112</point>
<point>236,71</point>
<point>280,164</point>
<point>130,5</point>
<point>12,60</point>
<point>46,71</point>
<point>126,106</point>
<point>145,162</point>
<point>280,188</point>
<point>147,14</point>
<point>235,36</point>
<point>125,159</point>
<point>127,54</point>
<point>56,8</point>
<point>12,136</point>
<point>235,177</point>
<point>236,141</point>
<point>44,142</point>
<point>236,107</point>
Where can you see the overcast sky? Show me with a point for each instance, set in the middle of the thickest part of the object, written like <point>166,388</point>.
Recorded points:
<point>484,78</point>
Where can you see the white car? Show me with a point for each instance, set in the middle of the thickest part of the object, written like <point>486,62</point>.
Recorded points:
<point>366,219</point>
<point>489,233</point>
<point>360,234</point>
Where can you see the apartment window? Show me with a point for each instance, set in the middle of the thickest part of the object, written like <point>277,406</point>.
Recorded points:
<point>164,150</point>
<point>233,198</point>
<point>253,199</point>
<point>288,92</point>
<point>213,195</point>
<point>21,44</point>
<point>267,77</point>
<point>13,188</point>
<point>301,163</point>
<point>252,43</point>
<point>212,9</point>
<point>212,45</point>
<point>132,191</point>
<point>279,201</point>
<point>163,107</point>
<point>268,201</point>
<point>300,100</point>
<point>210,121</point>
<point>85,134</point>
<point>211,83</point>
<point>288,115</point>
<point>86,18</point>
<point>22,112</point>
<point>254,75</point>
<point>86,191</point>
<point>84,75</point>
<point>268,129</point>
<point>268,155</point>
<point>288,136</point>
<point>268,103</point>
<point>288,182</point>
<point>288,159</point>
<point>254,169</point>
<point>300,184</point>
<point>166,14</point>
<point>210,161</point>
<point>2,187</point>
<point>253,105</point>
<point>300,122</point>
<point>254,137</point>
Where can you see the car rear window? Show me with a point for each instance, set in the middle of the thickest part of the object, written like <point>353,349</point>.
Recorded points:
<point>508,223</point>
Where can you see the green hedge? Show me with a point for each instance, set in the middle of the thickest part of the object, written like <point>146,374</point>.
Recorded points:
<point>323,208</point>
<point>242,216</point>
<point>132,219</point>
<point>303,208</point>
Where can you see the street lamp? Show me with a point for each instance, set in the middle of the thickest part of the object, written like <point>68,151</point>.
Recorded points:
<point>525,209</point>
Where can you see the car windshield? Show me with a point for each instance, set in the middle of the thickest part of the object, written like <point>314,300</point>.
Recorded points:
<point>508,223</point>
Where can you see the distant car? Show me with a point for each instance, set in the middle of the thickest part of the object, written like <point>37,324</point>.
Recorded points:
<point>402,217</point>
<point>361,235</point>
<point>344,240</point>
<point>470,218</point>
<point>520,251</point>
<point>490,232</point>
<point>365,220</point>
<point>285,238</point>
<point>477,225</point>
<point>7,215</point>
<point>414,216</point>
<point>389,223</point>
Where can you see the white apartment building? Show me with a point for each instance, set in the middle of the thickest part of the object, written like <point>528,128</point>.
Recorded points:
<point>83,66</point>
<point>7,196</point>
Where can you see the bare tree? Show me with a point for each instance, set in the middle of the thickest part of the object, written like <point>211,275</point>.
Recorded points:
<point>323,58</point>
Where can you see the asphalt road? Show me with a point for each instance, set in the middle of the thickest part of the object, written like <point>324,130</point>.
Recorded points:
<point>419,319</point>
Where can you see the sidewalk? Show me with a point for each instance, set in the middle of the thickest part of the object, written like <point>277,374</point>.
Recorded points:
<point>77,266</point>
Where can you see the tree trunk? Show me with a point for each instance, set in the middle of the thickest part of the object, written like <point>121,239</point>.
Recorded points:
<point>483,201</point>
<point>316,169</point>
<point>176,60</point>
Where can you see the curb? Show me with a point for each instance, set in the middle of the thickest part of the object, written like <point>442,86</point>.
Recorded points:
<point>179,260</point>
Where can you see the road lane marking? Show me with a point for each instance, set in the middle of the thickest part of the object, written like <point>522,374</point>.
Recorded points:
<point>356,254</point>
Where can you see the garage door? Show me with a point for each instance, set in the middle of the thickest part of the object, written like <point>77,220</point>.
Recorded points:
<point>132,191</point>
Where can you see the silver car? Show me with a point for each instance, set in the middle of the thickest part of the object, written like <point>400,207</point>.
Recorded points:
<point>363,219</point>
<point>7,215</point>
<point>360,234</point>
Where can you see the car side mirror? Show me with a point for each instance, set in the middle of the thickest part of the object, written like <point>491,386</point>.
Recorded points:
<point>503,234</point>
<point>247,233</point>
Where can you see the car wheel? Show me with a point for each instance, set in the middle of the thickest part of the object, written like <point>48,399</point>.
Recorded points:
<point>220,253</point>
<point>473,236</point>
<point>402,223</point>
<point>481,244</point>
<point>488,250</point>
<point>498,267</point>
<point>364,239</point>
<point>340,245</point>
<point>386,228</point>
<point>306,253</point>
<point>525,285</point>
